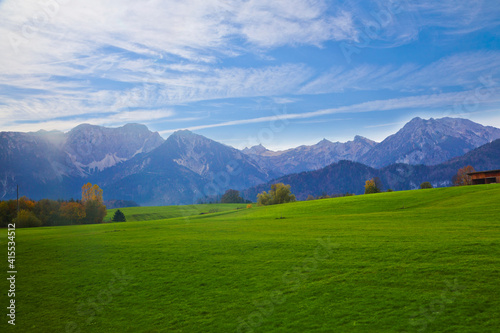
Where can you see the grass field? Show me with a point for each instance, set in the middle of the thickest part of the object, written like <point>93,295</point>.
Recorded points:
<point>167,212</point>
<point>415,261</point>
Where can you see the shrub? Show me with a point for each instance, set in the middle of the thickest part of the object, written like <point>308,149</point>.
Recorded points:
<point>26,219</point>
<point>425,185</point>
<point>231,196</point>
<point>279,193</point>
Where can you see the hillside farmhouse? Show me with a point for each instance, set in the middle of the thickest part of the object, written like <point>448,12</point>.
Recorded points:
<point>485,177</point>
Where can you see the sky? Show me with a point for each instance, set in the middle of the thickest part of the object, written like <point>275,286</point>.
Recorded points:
<point>280,73</point>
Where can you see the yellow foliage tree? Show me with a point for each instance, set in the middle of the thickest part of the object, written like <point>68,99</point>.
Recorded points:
<point>371,186</point>
<point>91,193</point>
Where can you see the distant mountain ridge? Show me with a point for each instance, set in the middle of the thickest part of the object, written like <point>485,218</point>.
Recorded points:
<point>185,168</point>
<point>95,148</point>
<point>305,158</point>
<point>51,164</point>
<point>132,163</point>
<point>349,176</point>
<point>420,141</point>
<point>430,142</point>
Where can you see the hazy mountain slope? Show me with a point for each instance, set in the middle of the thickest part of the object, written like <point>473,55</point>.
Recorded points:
<point>133,163</point>
<point>214,161</point>
<point>184,168</point>
<point>430,142</point>
<point>35,162</point>
<point>95,148</point>
<point>305,158</point>
<point>348,176</point>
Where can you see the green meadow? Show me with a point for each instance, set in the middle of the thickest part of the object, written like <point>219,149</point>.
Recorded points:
<point>413,261</point>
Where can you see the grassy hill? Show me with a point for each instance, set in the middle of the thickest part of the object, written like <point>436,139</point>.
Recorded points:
<point>415,261</point>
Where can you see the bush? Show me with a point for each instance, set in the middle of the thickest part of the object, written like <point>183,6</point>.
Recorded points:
<point>26,219</point>
<point>119,216</point>
<point>425,185</point>
<point>231,196</point>
<point>279,193</point>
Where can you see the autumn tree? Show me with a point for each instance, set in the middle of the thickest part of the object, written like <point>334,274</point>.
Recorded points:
<point>26,204</point>
<point>73,212</point>
<point>95,211</point>
<point>279,193</point>
<point>91,192</point>
<point>371,186</point>
<point>462,178</point>
<point>48,211</point>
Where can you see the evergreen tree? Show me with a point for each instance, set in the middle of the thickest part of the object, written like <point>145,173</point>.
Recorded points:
<point>119,216</point>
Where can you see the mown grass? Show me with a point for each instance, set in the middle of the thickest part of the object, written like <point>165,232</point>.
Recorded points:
<point>167,212</point>
<point>413,261</point>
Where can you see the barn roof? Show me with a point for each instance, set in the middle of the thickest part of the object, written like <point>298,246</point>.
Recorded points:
<point>488,171</point>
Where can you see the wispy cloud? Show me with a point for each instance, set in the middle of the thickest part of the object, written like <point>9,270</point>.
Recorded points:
<point>293,22</point>
<point>117,61</point>
<point>459,70</point>
<point>474,16</point>
<point>445,100</point>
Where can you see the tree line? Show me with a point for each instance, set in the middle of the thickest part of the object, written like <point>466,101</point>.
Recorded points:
<point>89,210</point>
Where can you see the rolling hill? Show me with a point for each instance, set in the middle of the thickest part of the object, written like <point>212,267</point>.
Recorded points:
<point>391,262</point>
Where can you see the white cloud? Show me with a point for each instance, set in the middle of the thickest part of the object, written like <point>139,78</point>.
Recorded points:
<point>445,101</point>
<point>77,59</point>
<point>465,70</point>
<point>292,22</point>
<point>458,16</point>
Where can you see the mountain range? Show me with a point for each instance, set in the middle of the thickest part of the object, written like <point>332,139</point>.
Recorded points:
<point>420,141</point>
<point>132,163</point>
<point>349,177</point>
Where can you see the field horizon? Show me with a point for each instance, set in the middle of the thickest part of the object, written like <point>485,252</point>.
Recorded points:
<point>410,261</point>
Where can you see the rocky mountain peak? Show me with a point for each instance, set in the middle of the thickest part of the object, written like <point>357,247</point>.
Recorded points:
<point>324,143</point>
<point>96,147</point>
<point>430,141</point>
<point>255,150</point>
<point>362,139</point>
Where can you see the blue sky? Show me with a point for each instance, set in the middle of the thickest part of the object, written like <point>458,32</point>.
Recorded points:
<point>281,73</point>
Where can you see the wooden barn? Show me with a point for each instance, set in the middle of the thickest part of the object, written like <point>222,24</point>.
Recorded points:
<point>485,177</point>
